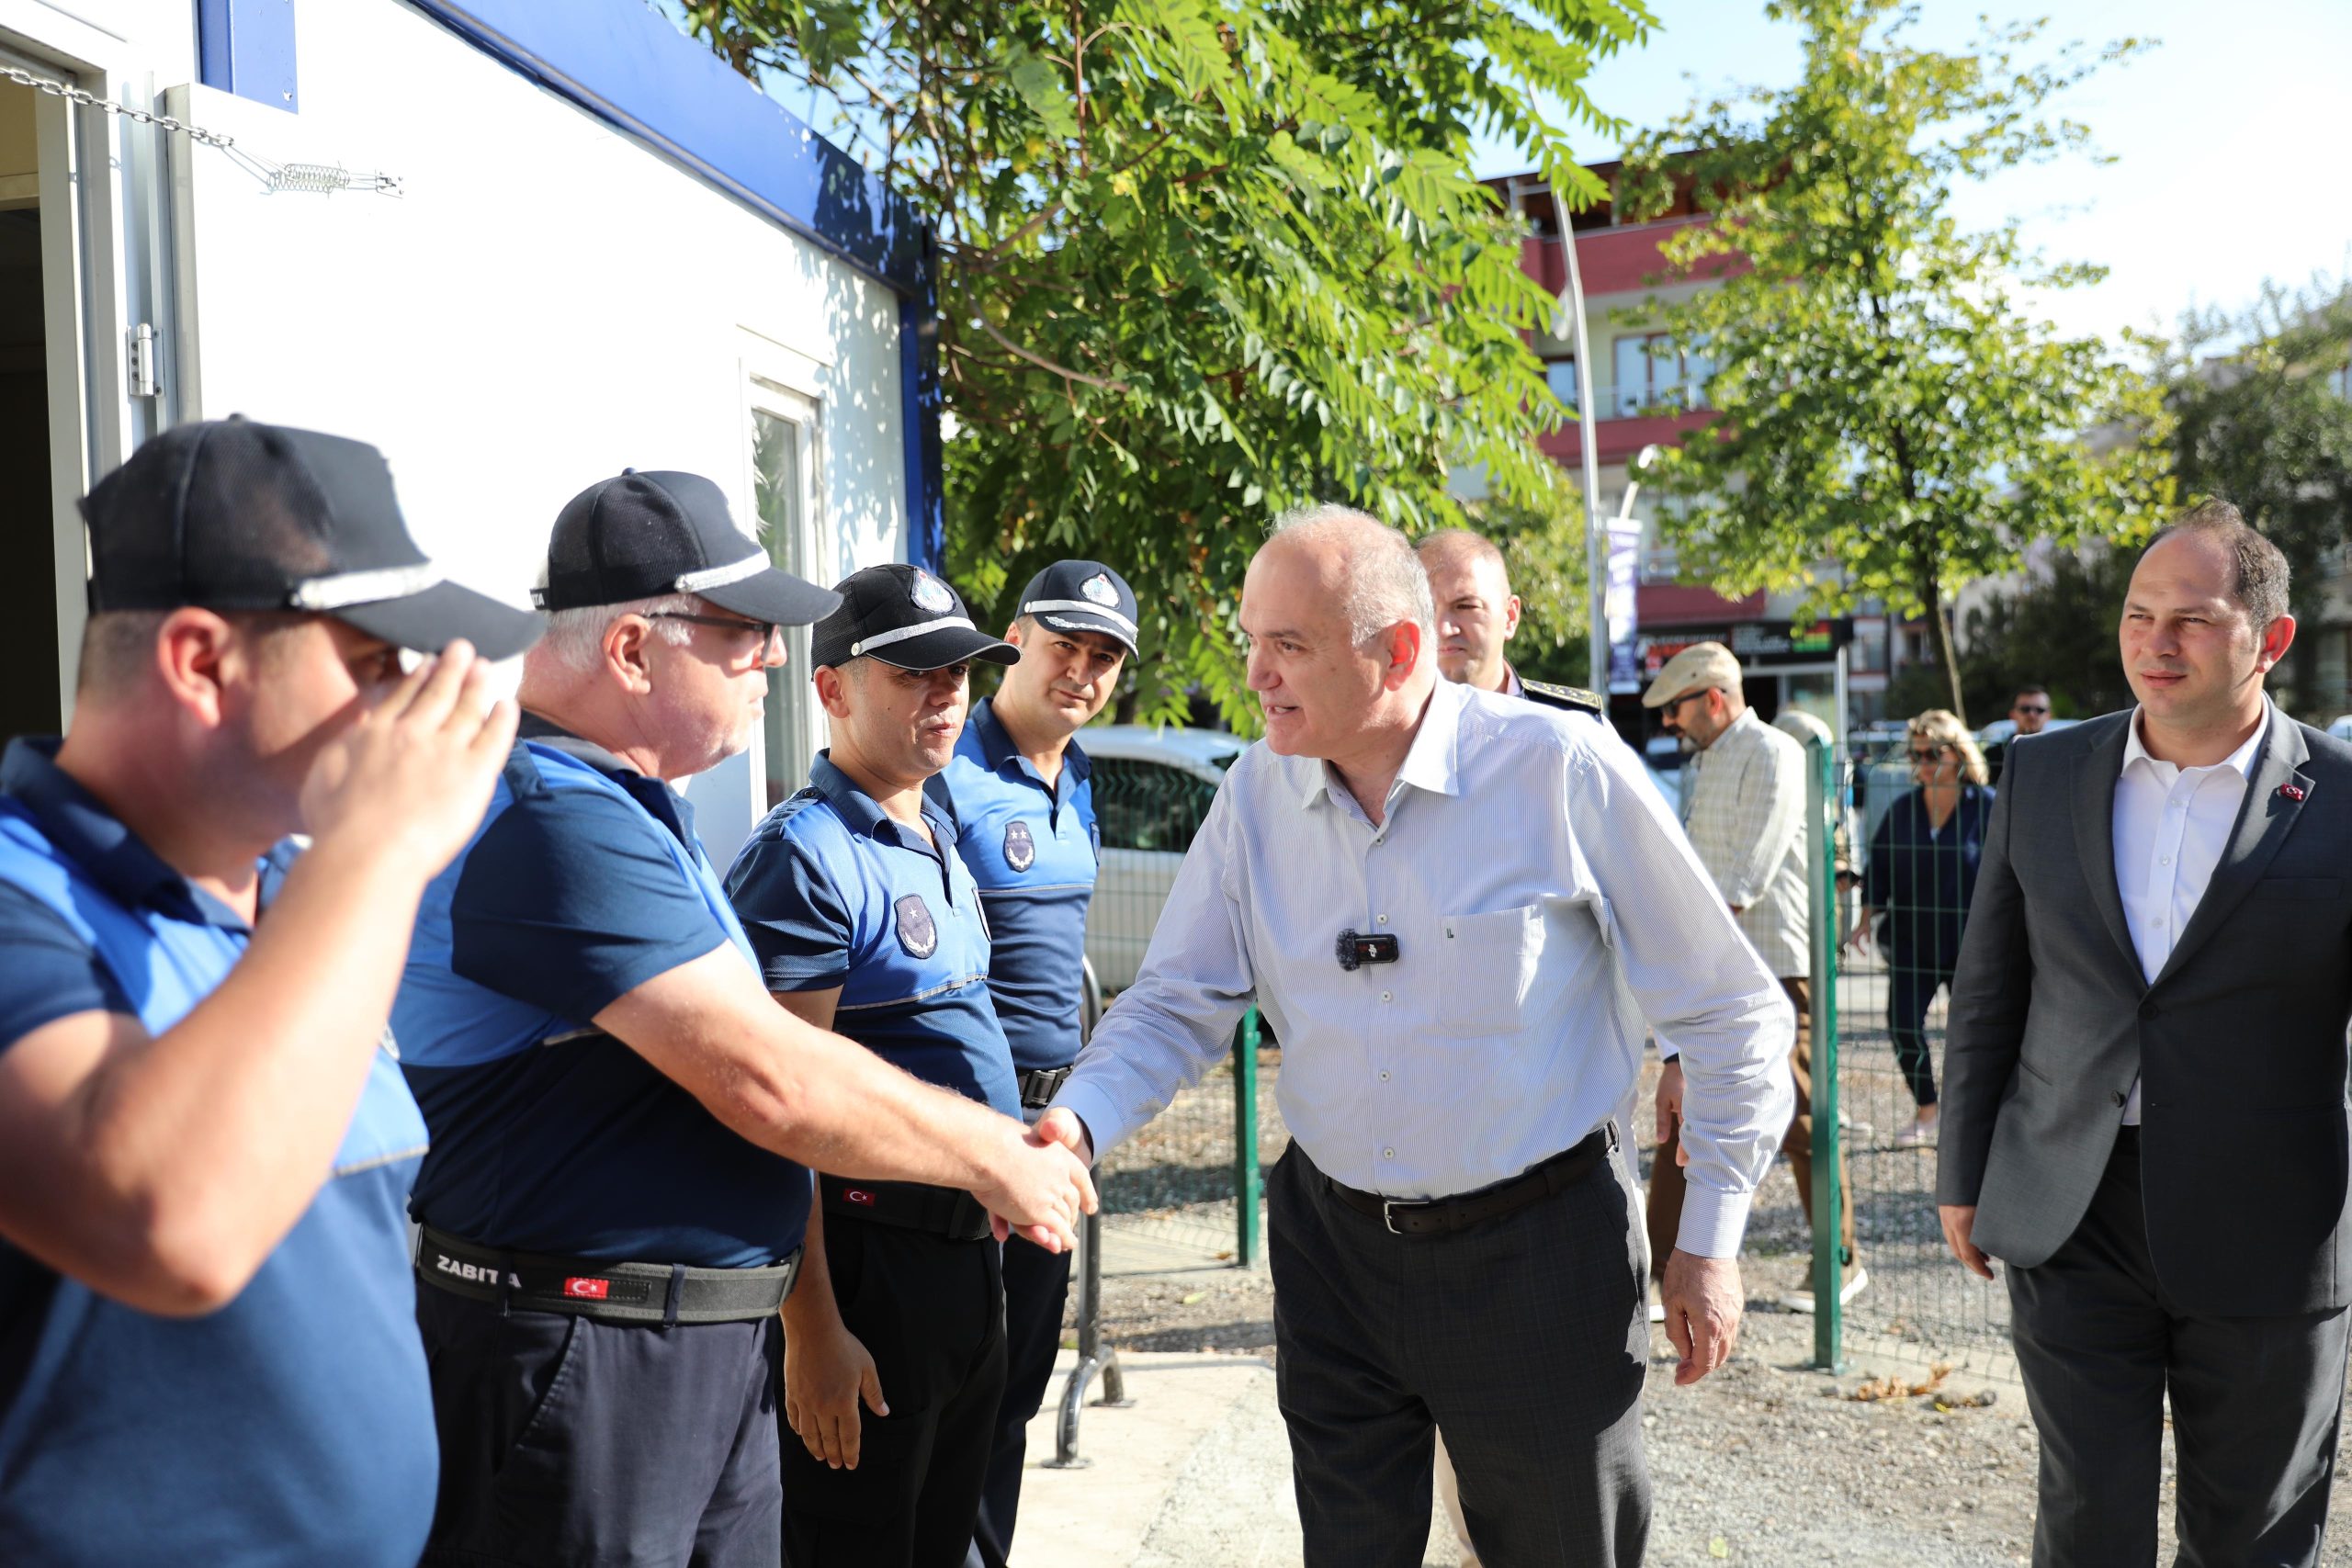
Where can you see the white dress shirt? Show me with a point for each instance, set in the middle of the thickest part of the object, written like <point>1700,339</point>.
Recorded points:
<point>1542,900</point>
<point>2171,825</point>
<point>1745,793</point>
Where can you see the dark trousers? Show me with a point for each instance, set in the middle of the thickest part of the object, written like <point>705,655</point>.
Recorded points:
<point>1911,989</point>
<point>1037,1286</point>
<point>567,1442</point>
<point>2255,1405</point>
<point>1523,1336</point>
<point>1666,1182</point>
<point>930,1312</point>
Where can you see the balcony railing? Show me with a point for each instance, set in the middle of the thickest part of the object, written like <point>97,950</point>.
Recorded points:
<point>1671,395</point>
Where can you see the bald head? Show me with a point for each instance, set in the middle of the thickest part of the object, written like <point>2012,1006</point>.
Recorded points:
<point>1369,566</point>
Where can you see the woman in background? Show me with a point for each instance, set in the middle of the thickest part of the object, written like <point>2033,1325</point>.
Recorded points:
<point>1921,872</point>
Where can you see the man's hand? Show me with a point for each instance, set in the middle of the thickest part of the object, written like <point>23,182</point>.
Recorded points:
<point>1062,1126</point>
<point>826,1371</point>
<point>1040,1186</point>
<point>1960,1223</point>
<point>1669,1098</point>
<point>412,776</point>
<point>1703,1303</point>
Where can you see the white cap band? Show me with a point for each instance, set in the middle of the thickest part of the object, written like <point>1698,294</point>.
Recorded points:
<point>720,576</point>
<point>364,586</point>
<point>1089,605</point>
<point>884,639</point>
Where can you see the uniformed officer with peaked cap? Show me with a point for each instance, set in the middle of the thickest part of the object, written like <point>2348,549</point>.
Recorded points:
<point>865,918</point>
<point>207,1341</point>
<point>617,1194</point>
<point>1023,808</point>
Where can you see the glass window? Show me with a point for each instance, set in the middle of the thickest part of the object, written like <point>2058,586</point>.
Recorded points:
<point>779,465</point>
<point>1561,376</point>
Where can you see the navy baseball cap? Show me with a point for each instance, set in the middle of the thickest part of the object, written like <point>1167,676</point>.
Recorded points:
<point>902,614</point>
<point>642,536</point>
<point>230,514</point>
<point>1082,596</point>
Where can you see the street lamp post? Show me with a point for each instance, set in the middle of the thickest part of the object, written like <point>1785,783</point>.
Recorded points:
<point>1571,302</point>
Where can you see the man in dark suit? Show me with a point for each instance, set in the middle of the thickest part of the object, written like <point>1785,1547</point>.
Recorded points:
<point>2145,1111</point>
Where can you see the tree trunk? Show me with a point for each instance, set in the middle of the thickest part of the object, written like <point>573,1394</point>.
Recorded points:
<point>1947,655</point>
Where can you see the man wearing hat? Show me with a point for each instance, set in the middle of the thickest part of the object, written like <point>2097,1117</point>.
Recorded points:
<point>1024,812</point>
<point>614,1206</point>
<point>862,914</point>
<point>208,1345</point>
<point>1743,804</point>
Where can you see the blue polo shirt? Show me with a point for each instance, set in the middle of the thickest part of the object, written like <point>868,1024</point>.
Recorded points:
<point>832,892</point>
<point>1032,848</point>
<point>585,881</point>
<point>293,1426</point>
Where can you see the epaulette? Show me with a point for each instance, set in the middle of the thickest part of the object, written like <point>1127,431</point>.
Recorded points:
<point>1574,698</point>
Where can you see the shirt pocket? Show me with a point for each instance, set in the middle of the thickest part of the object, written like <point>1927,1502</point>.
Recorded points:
<point>1487,965</point>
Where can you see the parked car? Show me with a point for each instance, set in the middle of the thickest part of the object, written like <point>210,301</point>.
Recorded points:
<point>1152,789</point>
<point>2342,727</point>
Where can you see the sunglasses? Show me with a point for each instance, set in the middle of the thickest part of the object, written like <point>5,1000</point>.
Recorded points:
<point>1927,756</point>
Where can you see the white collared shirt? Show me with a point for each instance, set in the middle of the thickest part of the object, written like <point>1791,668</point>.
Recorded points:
<point>2171,825</point>
<point>1543,901</point>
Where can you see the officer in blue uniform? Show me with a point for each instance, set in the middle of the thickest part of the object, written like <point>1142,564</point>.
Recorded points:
<point>865,918</point>
<point>614,1205</point>
<point>1025,816</point>
<point>208,1343</point>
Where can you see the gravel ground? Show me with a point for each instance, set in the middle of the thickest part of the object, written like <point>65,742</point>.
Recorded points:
<point>1765,1462</point>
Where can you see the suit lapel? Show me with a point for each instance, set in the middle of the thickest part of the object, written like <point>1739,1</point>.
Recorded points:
<point>2264,819</point>
<point>2095,772</point>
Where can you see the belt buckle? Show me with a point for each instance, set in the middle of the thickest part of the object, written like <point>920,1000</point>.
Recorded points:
<point>1388,1215</point>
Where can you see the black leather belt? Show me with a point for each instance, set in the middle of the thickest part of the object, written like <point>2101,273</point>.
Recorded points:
<point>1440,1216</point>
<point>663,1293</point>
<point>909,1205</point>
<point>1038,1087</point>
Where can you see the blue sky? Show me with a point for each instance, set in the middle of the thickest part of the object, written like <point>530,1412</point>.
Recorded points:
<point>2232,139</point>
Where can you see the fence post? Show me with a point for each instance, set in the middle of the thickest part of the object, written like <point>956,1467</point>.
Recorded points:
<point>1247,1185</point>
<point>1823,812</point>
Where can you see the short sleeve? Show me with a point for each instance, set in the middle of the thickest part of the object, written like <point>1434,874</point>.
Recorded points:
<point>570,900</point>
<point>793,911</point>
<point>51,970</point>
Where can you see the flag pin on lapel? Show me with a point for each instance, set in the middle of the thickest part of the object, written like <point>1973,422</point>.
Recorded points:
<point>2291,791</point>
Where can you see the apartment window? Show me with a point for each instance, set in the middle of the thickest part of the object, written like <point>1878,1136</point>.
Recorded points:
<point>1653,376</point>
<point>1561,376</point>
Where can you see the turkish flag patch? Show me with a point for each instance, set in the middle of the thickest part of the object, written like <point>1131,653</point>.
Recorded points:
<point>587,1290</point>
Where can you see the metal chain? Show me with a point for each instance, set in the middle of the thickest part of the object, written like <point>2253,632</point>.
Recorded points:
<point>92,101</point>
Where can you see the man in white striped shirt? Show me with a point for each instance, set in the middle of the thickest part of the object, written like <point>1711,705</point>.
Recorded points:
<point>1742,801</point>
<point>1451,905</point>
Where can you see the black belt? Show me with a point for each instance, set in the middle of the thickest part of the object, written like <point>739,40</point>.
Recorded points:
<point>1439,1216</point>
<point>909,1205</point>
<point>1038,1087</point>
<point>663,1293</point>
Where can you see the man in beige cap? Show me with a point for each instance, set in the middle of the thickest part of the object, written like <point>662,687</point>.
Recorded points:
<point>1743,804</point>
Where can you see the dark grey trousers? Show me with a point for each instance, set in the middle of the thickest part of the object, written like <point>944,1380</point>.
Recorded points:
<point>2255,1405</point>
<point>1524,1338</point>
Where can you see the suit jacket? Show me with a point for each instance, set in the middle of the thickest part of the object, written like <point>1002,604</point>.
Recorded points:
<point>2239,1042</point>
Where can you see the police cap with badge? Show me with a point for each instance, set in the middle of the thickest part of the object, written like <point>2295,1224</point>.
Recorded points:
<point>1082,596</point>
<point>902,615</point>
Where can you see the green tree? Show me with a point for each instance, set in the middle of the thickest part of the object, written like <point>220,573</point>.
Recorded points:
<point>1887,405</point>
<point>2268,425</point>
<point>2057,630</point>
<point>1200,260</point>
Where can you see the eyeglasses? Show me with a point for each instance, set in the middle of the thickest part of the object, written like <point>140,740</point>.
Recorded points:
<point>1927,756</point>
<point>2023,707</point>
<point>770,632</point>
<point>1675,706</point>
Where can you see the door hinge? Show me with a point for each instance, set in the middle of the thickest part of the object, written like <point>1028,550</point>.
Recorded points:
<point>143,383</point>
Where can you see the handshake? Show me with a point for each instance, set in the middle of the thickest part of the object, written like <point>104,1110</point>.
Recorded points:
<point>1044,1186</point>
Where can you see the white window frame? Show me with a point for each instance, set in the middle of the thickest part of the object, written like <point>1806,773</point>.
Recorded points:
<point>785,384</point>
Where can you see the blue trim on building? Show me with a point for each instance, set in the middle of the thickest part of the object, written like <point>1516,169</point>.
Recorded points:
<point>246,47</point>
<point>919,396</point>
<point>632,68</point>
